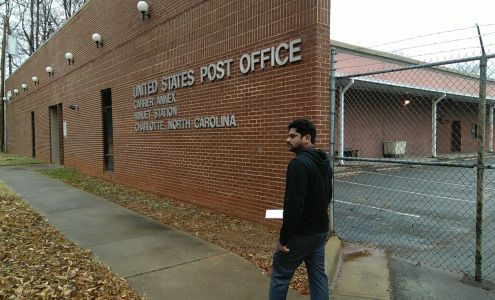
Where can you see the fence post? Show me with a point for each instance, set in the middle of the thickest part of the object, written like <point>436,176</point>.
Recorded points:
<point>490,141</point>
<point>331,148</point>
<point>480,169</point>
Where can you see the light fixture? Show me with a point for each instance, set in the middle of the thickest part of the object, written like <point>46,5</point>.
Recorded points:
<point>5,99</point>
<point>49,70</point>
<point>407,102</point>
<point>35,80</point>
<point>70,57</point>
<point>142,6</point>
<point>16,92</point>
<point>9,95</point>
<point>24,87</point>
<point>74,106</point>
<point>97,39</point>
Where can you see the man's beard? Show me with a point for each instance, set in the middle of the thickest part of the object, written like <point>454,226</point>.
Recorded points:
<point>296,149</point>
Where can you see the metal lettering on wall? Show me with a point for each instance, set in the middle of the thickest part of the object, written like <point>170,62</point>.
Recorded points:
<point>160,113</point>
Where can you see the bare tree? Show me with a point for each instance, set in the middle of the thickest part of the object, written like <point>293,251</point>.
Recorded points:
<point>34,21</point>
<point>71,6</point>
<point>7,9</point>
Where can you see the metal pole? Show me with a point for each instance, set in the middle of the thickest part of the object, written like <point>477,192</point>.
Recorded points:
<point>408,162</point>
<point>490,145</point>
<point>6,131</point>
<point>341,116</point>
<point>434,125</point>
<point>3,115</point>
<point>480,167</point>
<point>331,153</point>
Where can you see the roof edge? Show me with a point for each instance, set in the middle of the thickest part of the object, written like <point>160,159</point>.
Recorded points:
<point>400,59</point>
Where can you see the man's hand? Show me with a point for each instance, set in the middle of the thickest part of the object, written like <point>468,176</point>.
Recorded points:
<point>283,248</point>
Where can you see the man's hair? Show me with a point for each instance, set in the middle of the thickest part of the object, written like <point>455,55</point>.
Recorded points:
<point>304,127</point>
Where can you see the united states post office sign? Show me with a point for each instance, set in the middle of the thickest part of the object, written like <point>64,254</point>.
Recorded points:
<point>160,112</point>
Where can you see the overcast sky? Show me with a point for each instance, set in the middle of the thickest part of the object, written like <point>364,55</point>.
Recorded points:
<point>370,23</point>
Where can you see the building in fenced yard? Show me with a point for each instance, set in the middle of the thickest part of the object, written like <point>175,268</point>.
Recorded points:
<point>419,112</point>
<point>192,101</point>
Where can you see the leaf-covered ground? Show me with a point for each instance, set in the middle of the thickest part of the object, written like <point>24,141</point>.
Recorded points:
<point>37,262</point>
<point>252,241</point>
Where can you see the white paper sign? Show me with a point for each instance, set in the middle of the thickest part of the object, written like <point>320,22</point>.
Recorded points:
<point>65,129</point>
<point>274,214</point>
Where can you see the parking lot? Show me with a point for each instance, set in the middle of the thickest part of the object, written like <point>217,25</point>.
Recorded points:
<point>423,213</point>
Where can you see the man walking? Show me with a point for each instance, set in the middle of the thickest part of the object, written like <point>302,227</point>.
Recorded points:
<point>305,221</point>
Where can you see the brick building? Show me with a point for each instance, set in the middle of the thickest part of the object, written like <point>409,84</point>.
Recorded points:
<point>375,112</point>
<point>191,102</point>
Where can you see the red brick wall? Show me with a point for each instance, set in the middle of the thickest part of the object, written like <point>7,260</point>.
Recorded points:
<point>239,170</point>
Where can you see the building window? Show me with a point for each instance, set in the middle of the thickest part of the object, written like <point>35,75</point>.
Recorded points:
<point>33,136</point>
<point>474,131</point>
<point>107,129</point>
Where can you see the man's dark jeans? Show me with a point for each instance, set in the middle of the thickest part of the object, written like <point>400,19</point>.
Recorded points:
<point>311,250</point>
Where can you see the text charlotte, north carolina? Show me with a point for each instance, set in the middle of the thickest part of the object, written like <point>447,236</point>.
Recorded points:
<point>151,111</point>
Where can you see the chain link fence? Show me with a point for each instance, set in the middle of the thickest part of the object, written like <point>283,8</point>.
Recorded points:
<point>413,153</point>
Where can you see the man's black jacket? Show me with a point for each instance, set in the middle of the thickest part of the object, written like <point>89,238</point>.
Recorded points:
<point>307,195</point>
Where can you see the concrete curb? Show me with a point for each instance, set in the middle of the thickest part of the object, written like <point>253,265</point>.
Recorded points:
<point>364,274</point>
<point>333,258</point>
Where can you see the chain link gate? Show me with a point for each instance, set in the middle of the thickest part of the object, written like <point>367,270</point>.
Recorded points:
<point>413,162</point>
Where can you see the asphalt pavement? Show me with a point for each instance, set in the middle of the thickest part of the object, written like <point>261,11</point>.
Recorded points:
<point>426,214</point>
<point>413,281</point>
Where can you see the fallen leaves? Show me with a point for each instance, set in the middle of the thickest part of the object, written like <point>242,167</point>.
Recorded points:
<point>37,262</point>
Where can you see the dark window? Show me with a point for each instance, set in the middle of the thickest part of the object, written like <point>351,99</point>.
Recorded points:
<point>33,135</point>
<point>456,137</point>
<point>474,131</point>
<point>107,129</point>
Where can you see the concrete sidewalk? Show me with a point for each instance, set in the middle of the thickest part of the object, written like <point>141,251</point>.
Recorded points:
<point>364,274</point>
<point>157,260</point>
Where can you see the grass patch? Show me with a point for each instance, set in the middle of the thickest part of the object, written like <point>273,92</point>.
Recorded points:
<point>12,159</point>
<point>68,175</point>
